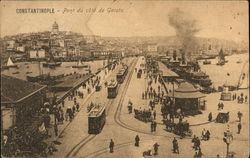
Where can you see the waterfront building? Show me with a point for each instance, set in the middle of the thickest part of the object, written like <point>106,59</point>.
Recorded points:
<point>20,49</point>
<point>20,101</point>
<point>37,53</point>
<point>10,45</point>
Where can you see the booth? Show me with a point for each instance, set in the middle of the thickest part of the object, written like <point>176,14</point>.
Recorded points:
<point>187,98</point>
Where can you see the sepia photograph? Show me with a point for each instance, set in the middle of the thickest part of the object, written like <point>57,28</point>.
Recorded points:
<point>124,79</point>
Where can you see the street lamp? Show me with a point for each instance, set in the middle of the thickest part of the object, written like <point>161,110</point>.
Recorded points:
<point>228,138</point>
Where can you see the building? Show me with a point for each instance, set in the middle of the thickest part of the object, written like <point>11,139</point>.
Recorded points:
<point>37,53</point>
<point>55,29</point>
<point>20,49</point>
<point>10,45</point>
<point>187,99</point>
<point>152,47</point>
<point>20,101</point>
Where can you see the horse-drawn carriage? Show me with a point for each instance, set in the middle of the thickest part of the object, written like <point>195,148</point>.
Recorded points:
<point>143,115</point>
<point>98,87</point>
<point>181,128</point>
<point>222,117</point>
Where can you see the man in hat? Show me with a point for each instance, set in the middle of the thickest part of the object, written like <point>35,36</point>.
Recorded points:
<point>156,146</point>
<point>175,146</point>
<point>137,140</point>
<point>154,114</point>
<point>239,116</point>
<point>239,127</point>
<point>210,117</point>
<point>111,146</point>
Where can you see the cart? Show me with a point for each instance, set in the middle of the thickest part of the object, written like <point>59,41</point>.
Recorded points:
<point>98,88</point>
<point>181,128</point>
<point>222,117</point>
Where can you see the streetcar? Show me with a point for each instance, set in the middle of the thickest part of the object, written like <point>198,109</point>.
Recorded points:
<point>96,119</point>
<point>139,73</point>
<point>121,75</point>
<point>112,89</point>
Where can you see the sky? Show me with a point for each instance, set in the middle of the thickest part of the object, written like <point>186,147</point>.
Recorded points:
<point>218,19</point>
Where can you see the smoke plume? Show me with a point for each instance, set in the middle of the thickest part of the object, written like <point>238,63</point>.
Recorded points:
<point>186,28</point>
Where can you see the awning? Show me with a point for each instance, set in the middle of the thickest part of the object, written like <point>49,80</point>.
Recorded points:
<point>186,95</point>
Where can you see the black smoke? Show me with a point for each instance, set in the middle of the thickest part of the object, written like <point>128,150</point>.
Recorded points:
<point>186,28</point>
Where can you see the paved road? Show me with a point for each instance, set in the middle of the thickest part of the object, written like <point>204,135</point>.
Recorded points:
<point>123,127</point>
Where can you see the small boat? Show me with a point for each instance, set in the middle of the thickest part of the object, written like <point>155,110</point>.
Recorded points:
<point>206,62</point>
<point>80,65</point>
<point>9,64</point>
<point>29,72</point>
<point>17,72</point>
<point>221,63</point>
<point>239,61</point>
<point>52,64</point>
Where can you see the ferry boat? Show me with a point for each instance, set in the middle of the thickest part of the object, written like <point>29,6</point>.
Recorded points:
<point>221,58</point>
<point>80,65</point>
<point>201,78</point>
<point>44,78</point>
<point>52,64</point>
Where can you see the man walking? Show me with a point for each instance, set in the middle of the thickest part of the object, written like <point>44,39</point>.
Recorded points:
<point>239,127</point>
<point>137,140</point>
<point>156,146</point>
<point>111,146</point>
<point>154,114</point>
<point>175,146</point>
<point>239,116</point>
<point>210,117</point>
<point>152,126</point>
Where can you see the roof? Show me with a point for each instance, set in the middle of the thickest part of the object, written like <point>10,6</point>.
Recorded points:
<point>186,90</point>
<point>185,87</point>
<point>72,80</point>
<point>14,89</point>
<point>165,71</point>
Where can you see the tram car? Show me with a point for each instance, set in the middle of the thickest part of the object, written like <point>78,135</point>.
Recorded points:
<point>96,119</point>
<point>112,89</point>
<point>139,73</point>
<point>121,75</point>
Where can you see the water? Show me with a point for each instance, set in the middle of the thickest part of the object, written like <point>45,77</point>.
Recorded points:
<point>218,74</point>
<point>65,68</point>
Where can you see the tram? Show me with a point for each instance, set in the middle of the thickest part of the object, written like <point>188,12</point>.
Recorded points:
<point>139,73</point>
<point>96,119</point>
<point>112,89</point>
<point>121,75</point>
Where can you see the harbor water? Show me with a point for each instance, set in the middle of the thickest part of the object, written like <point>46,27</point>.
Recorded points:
<point>230,72</point>
<point>34,69</point>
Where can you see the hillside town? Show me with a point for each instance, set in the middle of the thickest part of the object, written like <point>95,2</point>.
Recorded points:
<point>70,46</point>
<point>69,94</point>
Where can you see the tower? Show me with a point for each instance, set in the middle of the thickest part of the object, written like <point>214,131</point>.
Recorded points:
<point>55,28</point>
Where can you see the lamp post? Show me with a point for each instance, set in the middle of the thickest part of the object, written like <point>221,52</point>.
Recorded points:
<point>228,138</point>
